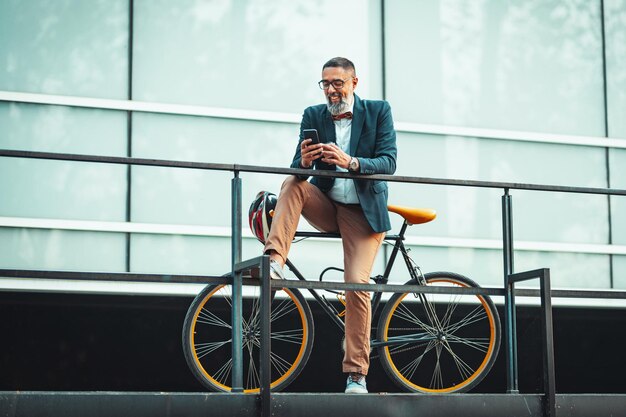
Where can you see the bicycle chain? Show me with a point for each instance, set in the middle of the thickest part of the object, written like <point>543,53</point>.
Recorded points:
<point>395,351</point>
<point>401,350</point>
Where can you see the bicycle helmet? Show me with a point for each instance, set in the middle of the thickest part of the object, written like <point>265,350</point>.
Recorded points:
<point>261,213</point>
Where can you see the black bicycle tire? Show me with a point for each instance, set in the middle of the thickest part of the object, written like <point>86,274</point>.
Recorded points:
<point>195,367</point>
<point>390,308</point>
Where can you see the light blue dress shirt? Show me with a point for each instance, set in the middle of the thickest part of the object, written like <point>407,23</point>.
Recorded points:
<point>343,190</point>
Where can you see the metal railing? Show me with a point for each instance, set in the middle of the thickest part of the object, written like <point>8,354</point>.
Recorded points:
<point>262,263</point>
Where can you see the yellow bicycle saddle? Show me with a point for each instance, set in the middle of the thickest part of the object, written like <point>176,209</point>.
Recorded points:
<point>414,215</point>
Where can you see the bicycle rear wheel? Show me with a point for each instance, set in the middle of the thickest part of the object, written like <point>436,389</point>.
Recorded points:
<point>439,343</point>
<point>207,338</point>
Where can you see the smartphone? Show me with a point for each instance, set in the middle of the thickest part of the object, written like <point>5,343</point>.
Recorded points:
<point>311,134</point>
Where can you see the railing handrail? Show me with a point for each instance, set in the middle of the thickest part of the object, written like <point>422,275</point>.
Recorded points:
<point>294,171</point>
<point>263,261</point>
<point>308,284</point>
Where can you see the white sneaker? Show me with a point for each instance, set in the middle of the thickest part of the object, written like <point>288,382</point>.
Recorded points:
<point>356,387</point>
<point>276,271</point>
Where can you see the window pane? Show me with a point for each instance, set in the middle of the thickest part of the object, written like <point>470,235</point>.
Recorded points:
<point>71,47</point>
<point>180,254</point>
<point>250,54</point>
<point>476,213</point>
<point>615,16</point>
<point>482,266</point>
<point>62,250</point>
<point>58,189</point>
<point>190,196</point>
<point>567,270</point>
<point>520,65</point>
<point>45,128</point>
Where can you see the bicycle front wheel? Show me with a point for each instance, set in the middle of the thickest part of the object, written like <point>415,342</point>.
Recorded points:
<point>439,343</point>
<point>207,337</point>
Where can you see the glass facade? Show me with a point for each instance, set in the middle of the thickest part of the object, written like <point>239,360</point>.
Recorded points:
<point>62,250</point>
<point>517,66</point>
<point>56,189</point>
<point>72,47</point>
<point>248,54</point>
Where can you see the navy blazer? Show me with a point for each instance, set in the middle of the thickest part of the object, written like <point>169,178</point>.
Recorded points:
<point>372,142</point>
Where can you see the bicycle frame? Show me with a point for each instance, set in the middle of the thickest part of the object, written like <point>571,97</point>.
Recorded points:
<point>398,246</point>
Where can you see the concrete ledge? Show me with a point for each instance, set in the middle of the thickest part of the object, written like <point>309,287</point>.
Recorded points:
<point>150,404</point>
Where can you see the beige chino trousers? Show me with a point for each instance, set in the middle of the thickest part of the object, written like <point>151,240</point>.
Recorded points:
<point>360,245</point>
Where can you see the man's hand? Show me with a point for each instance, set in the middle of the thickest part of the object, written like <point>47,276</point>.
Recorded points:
<point>332,154</point>
<point>309,153</point>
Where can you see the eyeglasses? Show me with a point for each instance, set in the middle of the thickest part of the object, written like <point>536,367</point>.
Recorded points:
<point>337,84</point>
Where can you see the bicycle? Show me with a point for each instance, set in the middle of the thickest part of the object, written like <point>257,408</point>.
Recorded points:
<point>429,343</point>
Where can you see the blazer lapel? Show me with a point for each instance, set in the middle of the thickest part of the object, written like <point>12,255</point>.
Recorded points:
<point>358,119</point>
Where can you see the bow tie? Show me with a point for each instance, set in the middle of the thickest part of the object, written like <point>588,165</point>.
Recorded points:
<point>346,115</point>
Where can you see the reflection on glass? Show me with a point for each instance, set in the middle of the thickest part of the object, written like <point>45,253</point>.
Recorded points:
<point>476,213</point>
<point>180,254</point>
<point>62,250</point>
<point>482,266</point>
<point>520,65</point>
<point>45,128</point>
<point>197,196</point>
<point>62,190</point>
<point>71,47</point>
<point>567,270</point>
<point>250,54</point>
<point>58,189</point>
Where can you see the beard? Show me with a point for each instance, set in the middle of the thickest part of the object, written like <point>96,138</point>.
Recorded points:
<point>337,108</point>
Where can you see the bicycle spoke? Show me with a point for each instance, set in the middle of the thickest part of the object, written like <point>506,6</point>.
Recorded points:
<point>403,312</point>
<point>436,381</point>
<point>464,369</point>
<point>451,308</point>
<point>253,376</point>
<point>279,363</point>
<point>203,349</point>
<point>409,369</point>
<point>254,318</point>
<point>290,336</point>
<point>479,343</point>
<point>208,317</point>
<point>473,316</point>
<point>222,374</point>
<point>227,296</point>
<point>285,307</point>
<point>430,311</point>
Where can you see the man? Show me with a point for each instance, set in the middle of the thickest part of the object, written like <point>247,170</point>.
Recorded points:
<point>359,138</point>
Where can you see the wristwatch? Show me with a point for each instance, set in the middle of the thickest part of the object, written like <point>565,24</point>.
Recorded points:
<point>353,166</point>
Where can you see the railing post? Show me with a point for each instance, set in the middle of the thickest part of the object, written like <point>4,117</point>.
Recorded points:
<point>549,384</point>
<point>265,351</point>
<point>236,318</point>
<point>510,340</point>
<point>548,348</point>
